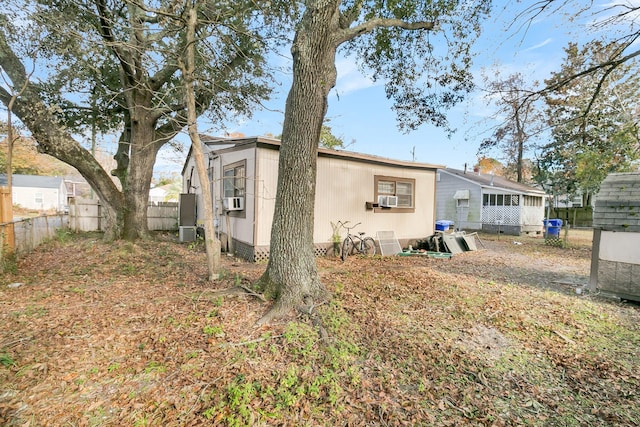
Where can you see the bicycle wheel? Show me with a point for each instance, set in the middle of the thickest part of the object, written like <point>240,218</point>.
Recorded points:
<point>347,248</point>
<point>369,246</point>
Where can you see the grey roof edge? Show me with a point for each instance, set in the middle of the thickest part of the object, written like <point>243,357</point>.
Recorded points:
<point>499,182</point>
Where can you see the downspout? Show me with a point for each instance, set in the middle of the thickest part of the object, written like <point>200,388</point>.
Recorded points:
<point>212,188</point>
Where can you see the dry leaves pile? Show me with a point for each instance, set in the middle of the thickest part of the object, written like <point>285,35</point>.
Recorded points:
<point>131,334</point>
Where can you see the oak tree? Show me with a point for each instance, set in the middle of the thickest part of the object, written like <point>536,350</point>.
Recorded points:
<point>115,63</point>
<point>419,48</point>
<point>521,121</point>
<point>592,136</point>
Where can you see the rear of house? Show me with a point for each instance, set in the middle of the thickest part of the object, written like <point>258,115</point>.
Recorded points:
<point>381,194</point>
<point>491,203</point>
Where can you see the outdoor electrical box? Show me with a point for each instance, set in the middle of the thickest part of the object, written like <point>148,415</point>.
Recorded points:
<point>187,210</point>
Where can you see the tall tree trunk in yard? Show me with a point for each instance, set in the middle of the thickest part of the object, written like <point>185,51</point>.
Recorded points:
<point>121,57</point>
<point>143,151</point>
<point>212,244</point>
<point>291,273</point>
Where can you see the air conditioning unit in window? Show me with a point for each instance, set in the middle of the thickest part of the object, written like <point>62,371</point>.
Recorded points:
<point>388,201</point>
<point>233,203</point>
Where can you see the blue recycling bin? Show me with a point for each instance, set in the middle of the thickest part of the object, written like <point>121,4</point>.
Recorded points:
<point>552,227</point>
<point>443,225</point>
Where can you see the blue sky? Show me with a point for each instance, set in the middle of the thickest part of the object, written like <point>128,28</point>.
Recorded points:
<point>359,110</point>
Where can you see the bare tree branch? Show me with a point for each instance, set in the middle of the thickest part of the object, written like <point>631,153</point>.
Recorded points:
<point>351,33</point>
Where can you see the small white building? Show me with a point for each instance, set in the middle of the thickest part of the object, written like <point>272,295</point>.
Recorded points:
<point>163,194</point>
<point>35,192</point>
<point>487,202</point>
<point>381,194</point>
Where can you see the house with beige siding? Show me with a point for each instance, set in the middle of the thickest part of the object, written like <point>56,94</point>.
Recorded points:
<point>382,194</point>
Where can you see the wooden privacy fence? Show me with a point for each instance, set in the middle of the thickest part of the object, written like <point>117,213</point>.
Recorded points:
<point>84,215</point>
<point>88,215</point>
<point>30,232</point>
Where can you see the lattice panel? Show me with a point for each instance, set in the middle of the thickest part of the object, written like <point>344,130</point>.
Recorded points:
<point>508,215</point>
<point>388,243</point>
<point>261,254</point>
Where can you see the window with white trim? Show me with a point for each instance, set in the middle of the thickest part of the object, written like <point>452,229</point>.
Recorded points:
<point>501,200</point>
<point>462,203</point>
<point>233,181</point>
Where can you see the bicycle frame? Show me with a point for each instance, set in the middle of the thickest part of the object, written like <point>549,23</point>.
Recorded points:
<point>356,242</point>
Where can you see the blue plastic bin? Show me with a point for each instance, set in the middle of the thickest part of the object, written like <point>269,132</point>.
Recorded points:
<point>443,225</point>
<point>552,226</point>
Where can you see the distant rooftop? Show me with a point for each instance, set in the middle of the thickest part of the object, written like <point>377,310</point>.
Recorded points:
<point>36,181</point>
<point>490,180</point>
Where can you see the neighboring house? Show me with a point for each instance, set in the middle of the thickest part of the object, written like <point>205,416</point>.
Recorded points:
<point>41,193</point>
<point>565,201</point>
<point>243,176</point>
<point>476,201</point>
<point>577,211</point>
<point>163,193</point>
<point>615,258</point>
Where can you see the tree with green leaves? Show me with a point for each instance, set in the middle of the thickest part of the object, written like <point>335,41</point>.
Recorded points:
<point>521,121</point>
<point>591,136</point>
<point>115,65</point>
<point>329,140</point>
<point>419,48</point>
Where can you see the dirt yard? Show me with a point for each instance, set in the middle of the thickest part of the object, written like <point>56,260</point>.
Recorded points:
<point>528,261</point>
<point>127,334</point>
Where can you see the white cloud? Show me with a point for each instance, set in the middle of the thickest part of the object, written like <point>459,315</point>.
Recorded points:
<point>350,79</point>
<point>538,46</point>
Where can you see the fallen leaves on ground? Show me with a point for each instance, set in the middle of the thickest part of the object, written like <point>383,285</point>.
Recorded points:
<point>132,334</point>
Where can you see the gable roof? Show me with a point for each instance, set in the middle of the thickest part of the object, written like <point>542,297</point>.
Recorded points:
<point>490,181</point>
<point>33,181</point>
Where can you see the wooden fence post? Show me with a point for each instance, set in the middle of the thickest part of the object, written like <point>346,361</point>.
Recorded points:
<point>6,217</point>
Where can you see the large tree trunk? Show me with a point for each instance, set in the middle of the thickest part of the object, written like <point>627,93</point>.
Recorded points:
<point>138,182</point>
<point>291,275</point>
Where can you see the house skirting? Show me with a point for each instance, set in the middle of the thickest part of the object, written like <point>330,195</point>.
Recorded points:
<point>615,276</point>
<point>261,253</point>
<point>512,230</point>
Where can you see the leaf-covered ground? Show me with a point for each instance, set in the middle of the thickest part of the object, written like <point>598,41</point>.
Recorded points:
<point>131,335</point>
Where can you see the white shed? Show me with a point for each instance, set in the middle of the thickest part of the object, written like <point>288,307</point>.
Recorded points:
<point>615,259</point>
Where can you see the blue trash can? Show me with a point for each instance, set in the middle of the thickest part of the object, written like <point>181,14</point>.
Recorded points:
<point>552,227</point>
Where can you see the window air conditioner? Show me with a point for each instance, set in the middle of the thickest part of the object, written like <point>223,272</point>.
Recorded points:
<point>388,201</point>
<point>233,203</point>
